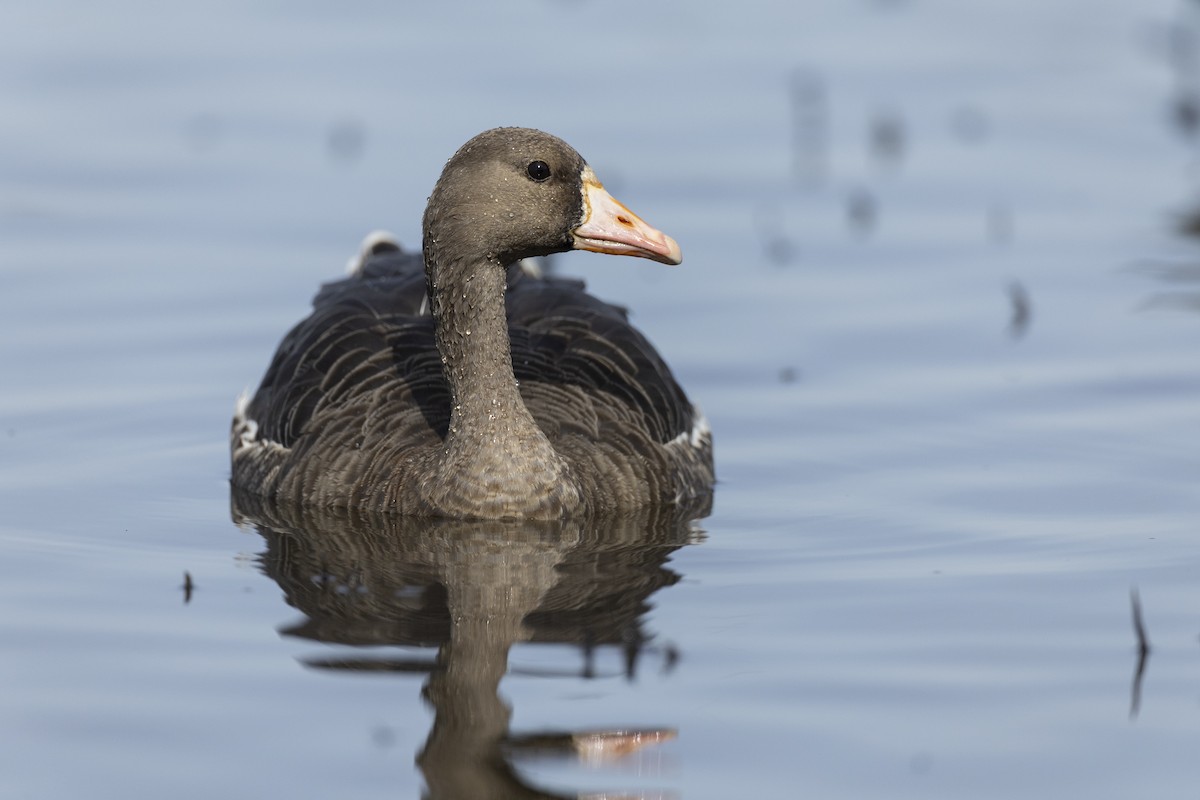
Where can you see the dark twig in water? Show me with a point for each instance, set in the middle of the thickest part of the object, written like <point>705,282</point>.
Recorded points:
<point>1022,310</point>
<point>670,658</point>
<point>1139,628</point>
<point>187,587</point>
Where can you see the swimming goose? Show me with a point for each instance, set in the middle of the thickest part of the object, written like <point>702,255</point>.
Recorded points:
<point>462,384</point>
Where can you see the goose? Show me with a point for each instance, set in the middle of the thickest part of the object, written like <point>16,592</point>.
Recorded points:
<point>460,383</point>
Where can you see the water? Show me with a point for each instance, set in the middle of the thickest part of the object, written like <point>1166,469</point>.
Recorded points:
<point>935,303</point>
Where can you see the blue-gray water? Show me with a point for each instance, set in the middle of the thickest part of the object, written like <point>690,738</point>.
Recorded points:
<point>935,302</point>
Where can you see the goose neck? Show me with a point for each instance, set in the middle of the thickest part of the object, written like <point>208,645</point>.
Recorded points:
<point>467,300</point>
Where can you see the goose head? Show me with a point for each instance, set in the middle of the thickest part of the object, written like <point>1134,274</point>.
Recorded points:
<point>512,193</point>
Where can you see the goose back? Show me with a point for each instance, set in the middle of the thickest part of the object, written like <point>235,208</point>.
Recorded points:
<point>355,405</point>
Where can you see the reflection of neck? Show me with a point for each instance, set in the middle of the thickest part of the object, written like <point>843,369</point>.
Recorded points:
<point>488,599</point>
<point>462,756</point>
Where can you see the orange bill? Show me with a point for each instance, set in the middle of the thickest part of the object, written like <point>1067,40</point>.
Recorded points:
<point>610,227</point>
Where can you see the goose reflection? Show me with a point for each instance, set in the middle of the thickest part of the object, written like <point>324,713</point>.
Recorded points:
<point>472,590</point>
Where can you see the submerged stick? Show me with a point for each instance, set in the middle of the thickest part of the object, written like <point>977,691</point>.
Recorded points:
<point>1139,628</point>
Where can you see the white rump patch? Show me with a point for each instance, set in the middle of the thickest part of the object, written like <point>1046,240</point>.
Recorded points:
<point>245,430</point>
<point>244,435</point>
<point>374,239</point>
<point>699,432</point>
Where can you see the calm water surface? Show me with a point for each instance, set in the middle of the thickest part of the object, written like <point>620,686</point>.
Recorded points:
<point>936,303</point>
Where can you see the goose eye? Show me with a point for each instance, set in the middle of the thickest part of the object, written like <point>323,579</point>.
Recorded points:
<point>538,170</point>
